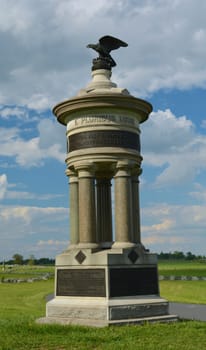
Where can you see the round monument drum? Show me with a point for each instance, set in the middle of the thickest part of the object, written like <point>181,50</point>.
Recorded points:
<point>103,126</point>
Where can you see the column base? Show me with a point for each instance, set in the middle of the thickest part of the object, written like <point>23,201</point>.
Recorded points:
<point>106,245</point>
<point>89,245</point>
<point>122,245</point>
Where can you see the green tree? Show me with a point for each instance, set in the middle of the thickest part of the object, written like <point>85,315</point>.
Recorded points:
<point>18,259</point>
<point>190,256</point>
<point>178,255</point>
<point>31,260</point>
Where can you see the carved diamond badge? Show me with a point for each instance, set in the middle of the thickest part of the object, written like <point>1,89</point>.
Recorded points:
<point>133,256</point>
<point>80,257</point>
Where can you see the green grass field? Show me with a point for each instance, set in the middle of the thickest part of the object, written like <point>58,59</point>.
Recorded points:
<point>24,272</point>
<point>21,304</point>
<point>183,291</point>
<point>193,292</point>
<point>182,268</point>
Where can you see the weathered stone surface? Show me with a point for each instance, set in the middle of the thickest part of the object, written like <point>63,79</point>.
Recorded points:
<point>101,279</point>
<point>81,282</point>
<point>137,311</point>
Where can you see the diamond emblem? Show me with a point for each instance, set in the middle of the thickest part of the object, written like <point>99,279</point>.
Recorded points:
<point>133,256</point>
<point>80,257</point>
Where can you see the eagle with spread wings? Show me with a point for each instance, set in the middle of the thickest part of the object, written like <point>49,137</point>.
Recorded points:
<point>105,45</point>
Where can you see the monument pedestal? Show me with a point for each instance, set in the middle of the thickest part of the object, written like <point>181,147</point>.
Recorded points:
<point>110,287</point>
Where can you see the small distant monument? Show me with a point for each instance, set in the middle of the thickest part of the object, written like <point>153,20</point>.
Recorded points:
<point>106,276</point>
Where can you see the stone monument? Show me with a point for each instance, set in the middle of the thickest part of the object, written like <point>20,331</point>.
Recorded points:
<point>106,276</point>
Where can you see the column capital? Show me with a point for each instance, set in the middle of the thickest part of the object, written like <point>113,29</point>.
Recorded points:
<point>136,172</point>
<point>123,168</point>
<point>124,164</point>
<point>73,176</point>
<point>85,169</point>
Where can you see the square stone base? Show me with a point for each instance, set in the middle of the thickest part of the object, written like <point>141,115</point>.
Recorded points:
<point>106,287</point>
<point>101,312</point>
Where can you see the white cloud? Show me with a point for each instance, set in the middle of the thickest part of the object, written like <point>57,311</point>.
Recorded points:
<point>52,242</point>
<point>166,132</point>
<point>44,59</point>
<point>163,226</point>
<point>179,227</point>
<point>51,133</point>
<point>17,112</point>
<point>172,143</point>
<point>28,195</point>
<point>3,185</point>
<point>30,213</point>
<point>22,227</point>
<point>168,241</point>
<point>199,193</point>
<point>51,143</point>
<point>203,124</point>
<point>38,102</point>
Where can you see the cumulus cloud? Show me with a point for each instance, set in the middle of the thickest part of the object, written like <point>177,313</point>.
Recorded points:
<point>173,143</point>
<point>50,143</point>
<point>180,227</point>
<point>23,195</point>
<point>22,227</point>
<point>163,226</point>
<point>45,58</point>
<point>3,185</point>
<point>30,213</point>
<point>9,112</point>
<point>199,193</point>
<point>50,133</point>
<point>52,242</point>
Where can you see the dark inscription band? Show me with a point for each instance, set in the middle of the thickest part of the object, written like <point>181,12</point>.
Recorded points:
<point>85,283</point>
<point>101,138</point>
<point>133,281</point>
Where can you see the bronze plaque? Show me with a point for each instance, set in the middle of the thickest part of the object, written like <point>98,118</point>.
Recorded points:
<point>101,138</point>
<point>133,281</point>
<point>81,282</point>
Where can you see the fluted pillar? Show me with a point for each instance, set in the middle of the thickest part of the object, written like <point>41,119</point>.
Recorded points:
<point>123,206</point>
<point>136,235</point>
<point>104,212</point>
<point>74,208</point>
<point>87,210</point>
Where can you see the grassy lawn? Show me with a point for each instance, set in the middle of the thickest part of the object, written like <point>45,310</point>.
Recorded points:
<point>21,304</point>
<point>184,291</point>
<point>26,336</point>
<point>182,268</point>
<point>25,271</point>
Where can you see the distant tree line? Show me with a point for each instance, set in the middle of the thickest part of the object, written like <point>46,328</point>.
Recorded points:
<point>18,259</point>
<point>180,256</point>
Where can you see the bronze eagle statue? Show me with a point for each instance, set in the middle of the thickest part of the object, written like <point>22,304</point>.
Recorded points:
<point>105,45</point>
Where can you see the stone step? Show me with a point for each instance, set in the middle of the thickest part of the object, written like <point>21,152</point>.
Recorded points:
<point>151,319</point>
<point>105,323</point>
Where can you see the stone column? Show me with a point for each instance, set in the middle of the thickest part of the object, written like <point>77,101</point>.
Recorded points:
<point>74,208</point>
<point>123,206</point>
<point>87,210</point>
<point>136,210</point>
<point>104,212</point>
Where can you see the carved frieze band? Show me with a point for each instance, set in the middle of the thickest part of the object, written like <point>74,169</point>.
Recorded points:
<point>101,138</point>
<point>98,119</point>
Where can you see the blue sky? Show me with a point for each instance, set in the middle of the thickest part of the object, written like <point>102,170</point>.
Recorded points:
<point>44,60</point>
